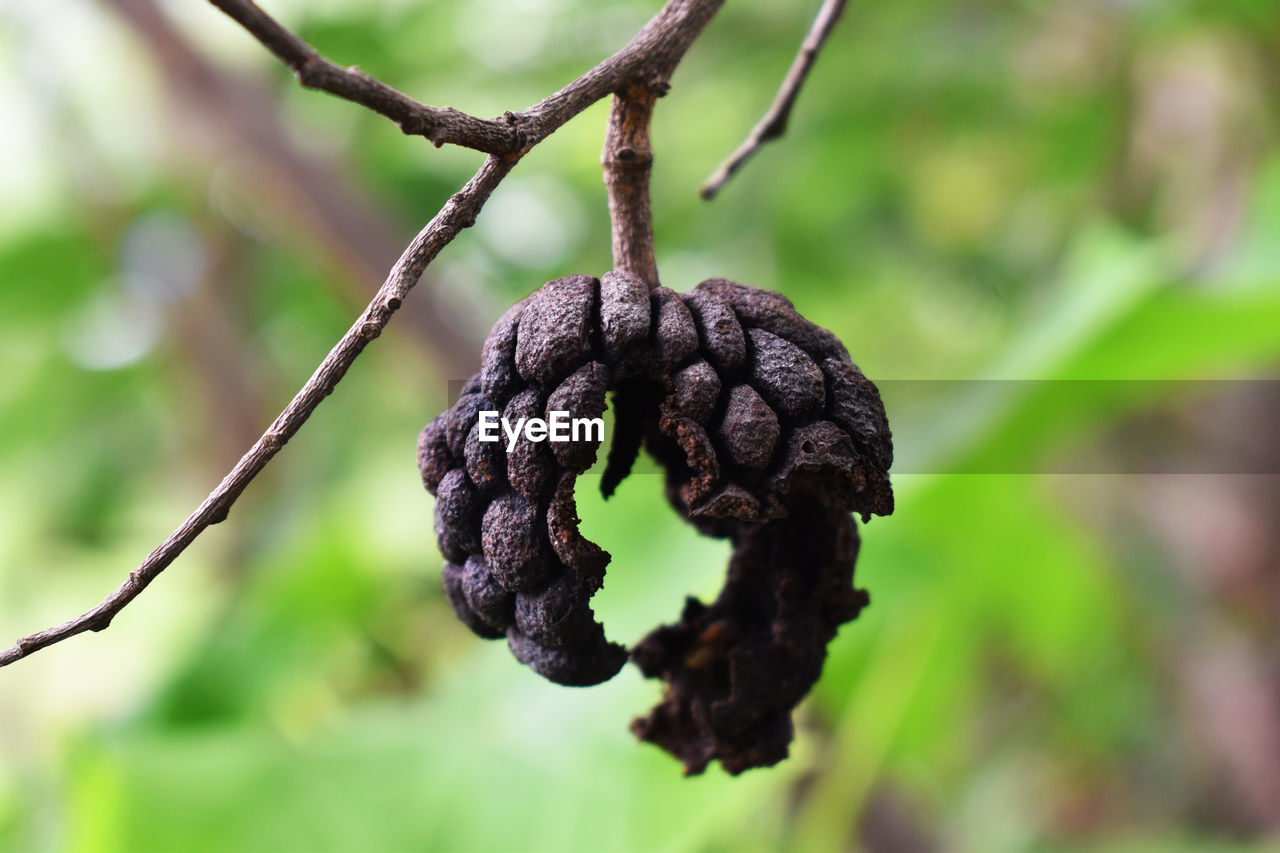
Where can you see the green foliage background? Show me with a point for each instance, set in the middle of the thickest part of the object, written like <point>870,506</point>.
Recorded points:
<point>1030,190</point>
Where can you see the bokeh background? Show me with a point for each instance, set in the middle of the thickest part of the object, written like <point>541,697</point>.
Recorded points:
<point>1066,650</point>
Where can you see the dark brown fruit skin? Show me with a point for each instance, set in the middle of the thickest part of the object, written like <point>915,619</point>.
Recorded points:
<point>769,435</point>
<point>697,387</point>
<point>624,313</point>
<point>736,669</point>
<point>675,337</point>
<point>554,333</point>
<point>499,379</point>
<point>434,459</point>
<point>749,430</point>
<point>582,396</point>
<point>530,465</point>
<point>574,550</point>
<point>485,597</point>
<point>513,539</point>
<point>719,332</point>
<point>453,579</point>
<point>785,377</point>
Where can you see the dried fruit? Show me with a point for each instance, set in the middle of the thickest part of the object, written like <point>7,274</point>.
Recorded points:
<point>769,435</point>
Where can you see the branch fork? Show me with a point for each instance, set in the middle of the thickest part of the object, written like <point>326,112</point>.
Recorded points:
<point>636,77</point>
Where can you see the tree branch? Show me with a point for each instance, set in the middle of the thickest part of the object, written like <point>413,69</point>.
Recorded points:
<point>650,57</point>
<point>458,213</point>
<point>774,122</point>
<point>231,119</point>
<point>647,61</point>
<point>440,125</point>
<point>626,160</point>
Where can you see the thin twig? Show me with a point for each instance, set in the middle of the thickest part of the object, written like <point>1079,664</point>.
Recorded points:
<point>648,59</point>
<point>774,122</point>
<point>458,213</point>
<point>627,160</point>
<point>440,125</point>
<point>342,225</point>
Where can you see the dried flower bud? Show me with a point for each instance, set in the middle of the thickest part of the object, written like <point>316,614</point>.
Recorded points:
<point>769,436</point>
